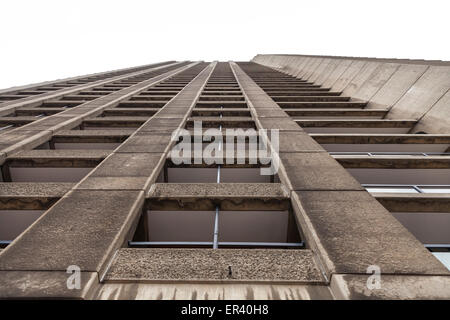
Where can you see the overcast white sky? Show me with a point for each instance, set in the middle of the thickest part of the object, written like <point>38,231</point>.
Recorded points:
<point>50,39</point>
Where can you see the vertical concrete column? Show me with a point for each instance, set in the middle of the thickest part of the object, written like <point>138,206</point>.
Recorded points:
<point>343,224</point>
<point>10,106</point>
<point>86,227</point>
<point>33,134</point>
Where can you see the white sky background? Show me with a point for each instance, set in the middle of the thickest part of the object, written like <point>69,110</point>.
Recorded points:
<point>45,40</point>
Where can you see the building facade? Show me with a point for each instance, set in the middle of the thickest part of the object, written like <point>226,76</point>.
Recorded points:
<point>142,183</point>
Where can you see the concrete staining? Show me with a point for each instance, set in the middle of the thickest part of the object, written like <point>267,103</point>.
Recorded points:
<point>118,125</point>
<point>204,265</point>
<point>414,89</point>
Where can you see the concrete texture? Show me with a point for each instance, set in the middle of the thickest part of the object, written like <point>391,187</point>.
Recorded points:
<point>436,120</point>
<point>414,202</point>
<point>48,284</point>
<point>87,226</point>
<point>212,291</point>
<point>344,228</point>
<point>40,130</point>
<point>394,162</point>
<point>297,142</point>
<point>144,142</point>
<point>10,106</point>
<point>129,165</point>
<point>353,231</point>
<point>213,265</point>
<point>305,171</point>
<point>91,136</point>
<point>78,230</point>
<point>397,85</point>
<point>228,196</point>
<point>375,81</point>
<point>373,138</point>
<point>408,88</point>
<point>31,196</point>
<point>347,228</point>
<point>58,158</point>
<point>423,94</point>
<point>354,287</point>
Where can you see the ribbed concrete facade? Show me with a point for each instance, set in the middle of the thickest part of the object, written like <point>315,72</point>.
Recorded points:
<point>89,182</point>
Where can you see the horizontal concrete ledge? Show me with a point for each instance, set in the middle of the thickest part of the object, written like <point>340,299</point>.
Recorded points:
<point>228,196</point>
<point>92,136</point>
<point>31,196</point>
<point>211,291</point>
<point>360,138</point>
<point>394,162</point>
<point>288,95</point>
<point>310,98</point>
<point>353,231</point>
<point>407,61</point>
<point>58,158</point>
<point>209,265</point>
<point>226,162</point>
<point>129,112</point>
<point>336,112</point>
<point>351,123</point>
<point>45,285</point>
<point>327,104</point>
<point>402,287</point>
<point>65,80</point>
<point>414,202</point>
<point>116,121</point>
<point>210,112</point>
<point>225,122</point>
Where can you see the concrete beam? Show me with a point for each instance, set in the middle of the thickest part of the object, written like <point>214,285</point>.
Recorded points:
<point>347,228</point>
<point>414,202</point>
<point>31,196</point>
<point>32,134</point>
<point>254,265</point>
<point>394,162</point>
<point>87,226</point>
<point>374,138</point>
<point>228,196</point>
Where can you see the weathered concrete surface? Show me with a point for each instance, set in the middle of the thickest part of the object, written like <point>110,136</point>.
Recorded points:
<point>373,138</point>
<point>253,265</point>
<point>397,85</point>
<point>92,136</point>
<point>208,291</point>
<point>376,80</point>
<point>89,224</point>
<point>343,224</point>
<point>414,202</point>
<point>328,70</point>
<point>48,284</point>
<point>437,119</point>
<point>297,142</point>
<point>31,196</point>
<point>353,231</point>
<point>410,89</point>
<point>394,162</point>
<point>10,106</point>
<point>228,196</point>
<point>56,159</point>
<point>405,287</point>
<point>329,81</point>
<point>347,76</point>
<point>106,73</point>
<point>360,78</point>
<point>33,134</point>
<point>51,243</point>
<point>423,95</point>
<point>306,171</point>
